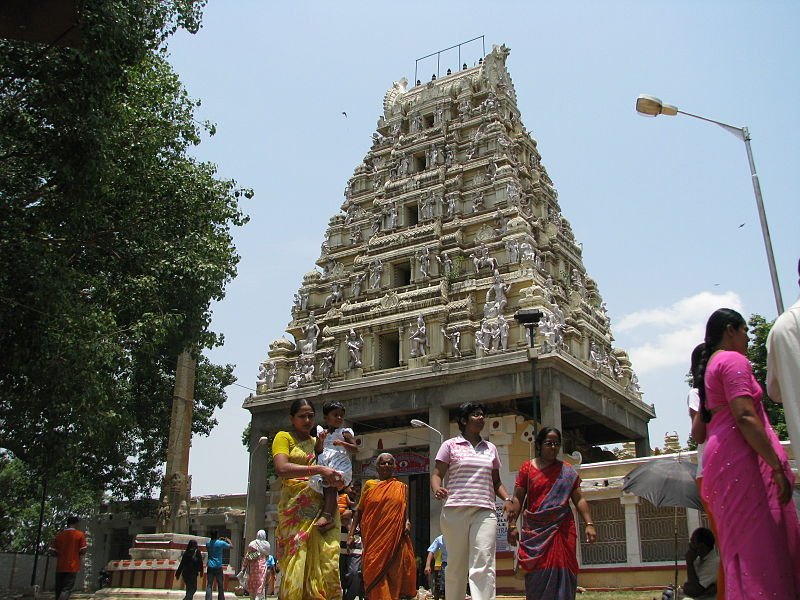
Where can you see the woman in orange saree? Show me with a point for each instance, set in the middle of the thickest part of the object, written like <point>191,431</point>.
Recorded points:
<point>388,564</point>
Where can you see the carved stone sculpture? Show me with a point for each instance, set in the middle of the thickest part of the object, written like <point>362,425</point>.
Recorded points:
<point>375,270</point>
<point>419,339</point>
<point>355,286</point>
<point>482,259</point>
<point>496,298</point>
<point>355,344</point>
<point>326,366</point>
<point>310,334</point>
<point>446,263</point>
<point>424,261</point>
<point>335,297</point>
<point>512,247</point>
<point>454,337</point>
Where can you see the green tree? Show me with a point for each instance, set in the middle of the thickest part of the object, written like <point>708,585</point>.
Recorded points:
<point>21,501</point>
<point>757,353</point>
<point>114,242</point>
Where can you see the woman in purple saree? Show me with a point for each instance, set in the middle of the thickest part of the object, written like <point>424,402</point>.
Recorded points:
<point>747,482</point>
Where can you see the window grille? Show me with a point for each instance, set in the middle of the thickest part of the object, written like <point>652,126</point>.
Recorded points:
<point>657,532</point>
<point>609,520</point>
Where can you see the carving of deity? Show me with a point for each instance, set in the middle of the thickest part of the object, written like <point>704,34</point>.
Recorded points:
<point>426,206</point>
<point>446,263</point>
<point>478,202</point>
<point>310,333</point>
<point>512,247</point>
<point>431,157</point>
<point>394,130</point>
<point>633,386</point>
<point>482,259</point>
<point>595,356</point>
<point>355,235</point>
<point>375,269</point>
<point>301,300</point>
<point>419,339</point>
<point>424,261</point>
<point>472,151</point>
<point>575,278</point>
<point>491,172</point>
<point>454,337</point>
<point>496,298</point>
<point>391,216</point>
<point>355,286</point>
<point>502,223</point>
<point>512,192</point>
<point>449,156</point>
<point>377,182</point>
<point>438,116</point>
<point>164,515</point>
<point>450,205</point>
<point>416,124</point>
<point>355,344</point>
<point>503,145</point>
<point>335,297</point>
<point>527,253</point>
<point>351,214</point>
<point>464,107</point>
<point>377,222</point>
<point>503,327</point>
<point>483,337</point>
<point>403,168</point>
<point>326,366</point>
<point>348,192</point>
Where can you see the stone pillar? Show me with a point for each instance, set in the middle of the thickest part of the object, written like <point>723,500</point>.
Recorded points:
<point>438,418</point>
<point>643,446</point>
<point>237,549</point>
<point>405,346</point>
<point>632,546</point>
<point>256,482</point>
<point>550,401</point>
<point>175,489</point>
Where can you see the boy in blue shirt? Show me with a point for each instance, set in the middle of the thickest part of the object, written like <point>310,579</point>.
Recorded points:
<point>215,548</point>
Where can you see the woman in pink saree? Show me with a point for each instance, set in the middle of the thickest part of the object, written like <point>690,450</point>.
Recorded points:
<point>747,482</point>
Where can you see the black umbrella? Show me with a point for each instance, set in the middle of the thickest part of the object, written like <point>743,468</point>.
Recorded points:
<point>665,482</point>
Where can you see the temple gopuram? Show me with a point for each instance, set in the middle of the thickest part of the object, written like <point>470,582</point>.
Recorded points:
<point>450,226</point>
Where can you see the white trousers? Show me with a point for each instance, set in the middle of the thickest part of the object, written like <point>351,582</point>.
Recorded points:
<point>470,534</point>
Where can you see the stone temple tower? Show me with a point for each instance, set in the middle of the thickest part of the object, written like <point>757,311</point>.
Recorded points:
<point>449,226</point>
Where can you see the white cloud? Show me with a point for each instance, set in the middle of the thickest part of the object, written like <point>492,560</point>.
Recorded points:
<point>664,336</point>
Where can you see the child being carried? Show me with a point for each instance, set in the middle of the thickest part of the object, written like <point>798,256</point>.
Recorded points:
<point>334,445</point>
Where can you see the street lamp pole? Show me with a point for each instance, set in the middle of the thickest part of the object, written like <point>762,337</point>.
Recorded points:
<point>652,107</point>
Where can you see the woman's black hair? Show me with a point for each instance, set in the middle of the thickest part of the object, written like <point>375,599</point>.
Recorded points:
<point>715,328</point>
<point>542,436</point>
<point>465,410</point>
<point>694,366</point>
<point>298,404</point>
<point>191,545</point>
<point>329,405</point>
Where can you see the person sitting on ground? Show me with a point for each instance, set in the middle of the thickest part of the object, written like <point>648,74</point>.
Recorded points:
<point>702,561</point>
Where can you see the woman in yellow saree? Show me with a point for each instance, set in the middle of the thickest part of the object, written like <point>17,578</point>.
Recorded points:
<point>308,558</point>
<point>387,561</point>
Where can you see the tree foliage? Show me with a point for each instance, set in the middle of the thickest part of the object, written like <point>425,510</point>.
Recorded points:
<point>21,501</point>
<point>114,243</point>
<point>757,353</point>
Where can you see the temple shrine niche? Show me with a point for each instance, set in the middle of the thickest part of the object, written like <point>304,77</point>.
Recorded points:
<point>448,227</point>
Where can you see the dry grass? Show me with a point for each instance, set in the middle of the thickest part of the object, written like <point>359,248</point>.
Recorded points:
<point>620,595</point>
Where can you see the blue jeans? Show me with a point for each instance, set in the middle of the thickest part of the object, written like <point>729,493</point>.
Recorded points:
<point>215,573</point>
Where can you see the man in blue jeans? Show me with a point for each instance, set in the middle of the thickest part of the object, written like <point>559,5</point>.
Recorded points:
<point>215,548</point>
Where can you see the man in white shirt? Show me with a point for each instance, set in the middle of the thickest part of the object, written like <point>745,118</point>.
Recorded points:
<point>702,562</point>
<point>783,368</point>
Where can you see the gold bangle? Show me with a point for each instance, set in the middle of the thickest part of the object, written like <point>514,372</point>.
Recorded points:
<point>589,524</point>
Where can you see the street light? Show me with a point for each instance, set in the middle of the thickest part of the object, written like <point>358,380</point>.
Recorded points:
<point>418,423</point>
<point>652,107</point>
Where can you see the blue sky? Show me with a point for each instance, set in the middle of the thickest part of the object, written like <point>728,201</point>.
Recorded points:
<point>664,207</point>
